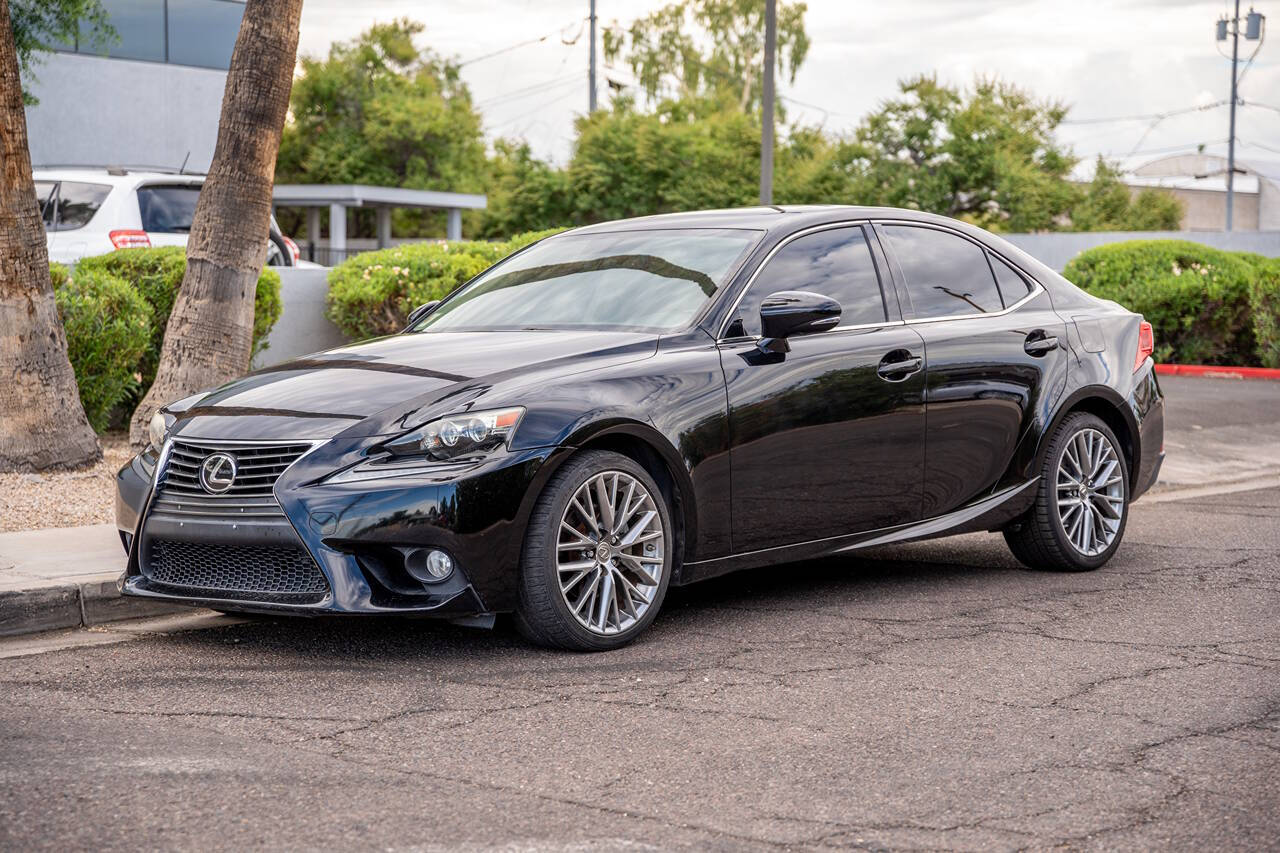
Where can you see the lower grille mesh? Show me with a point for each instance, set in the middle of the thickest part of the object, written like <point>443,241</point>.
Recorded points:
<point>256,571</point>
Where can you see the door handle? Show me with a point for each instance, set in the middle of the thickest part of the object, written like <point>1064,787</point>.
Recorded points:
<point>898,365</point>
<point>1038,343</point>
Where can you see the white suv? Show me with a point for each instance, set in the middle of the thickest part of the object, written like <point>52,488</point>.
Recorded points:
<point>92,211</point>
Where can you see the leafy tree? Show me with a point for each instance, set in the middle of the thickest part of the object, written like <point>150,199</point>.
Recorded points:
<point>712,49</point>
<point>630,163</point>
<point>524,193</point>
<point>377,110</point>
<point>209,335</point>
<point>987,156</point>
<point>1106,204</point>
<point>41,25</point>
<point>42,422</point>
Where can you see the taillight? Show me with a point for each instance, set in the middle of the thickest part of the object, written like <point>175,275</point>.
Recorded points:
<point>1146,345</point>
<point>129,238</point>
<point>293,250</point>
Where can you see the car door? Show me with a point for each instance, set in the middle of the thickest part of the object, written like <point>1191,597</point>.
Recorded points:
<point>827,438</point>
<point>996,357</point>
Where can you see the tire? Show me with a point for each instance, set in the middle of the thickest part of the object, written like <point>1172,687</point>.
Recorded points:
<point>551,556</point>
<point>1041,539</point>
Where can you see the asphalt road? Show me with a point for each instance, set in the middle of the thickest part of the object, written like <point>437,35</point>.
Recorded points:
<point>927,696</point>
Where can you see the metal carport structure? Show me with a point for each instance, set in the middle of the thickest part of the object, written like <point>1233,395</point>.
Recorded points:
<point>339,197</point>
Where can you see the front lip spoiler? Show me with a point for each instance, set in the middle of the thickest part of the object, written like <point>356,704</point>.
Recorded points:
<point>464,602</point>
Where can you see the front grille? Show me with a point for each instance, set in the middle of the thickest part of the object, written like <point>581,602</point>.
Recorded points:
<point>255,572</point>
<point>251,496</point>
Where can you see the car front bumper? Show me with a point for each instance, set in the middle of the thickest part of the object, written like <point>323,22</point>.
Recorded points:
<point>356,533</point>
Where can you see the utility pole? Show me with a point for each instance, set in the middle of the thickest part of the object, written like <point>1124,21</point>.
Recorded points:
<point>1253,32</point>
<point>767,97</point>
<point>1231,137</point>
<point>591,71</point>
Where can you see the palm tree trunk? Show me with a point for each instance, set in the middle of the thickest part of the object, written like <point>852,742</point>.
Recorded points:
<point>208,338</point>
<point>42,424</point>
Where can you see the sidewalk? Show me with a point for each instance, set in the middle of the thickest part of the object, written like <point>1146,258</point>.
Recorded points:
<point>64,578</point>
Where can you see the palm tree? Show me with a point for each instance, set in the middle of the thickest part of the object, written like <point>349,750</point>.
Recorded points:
<point>42,424</point>
<point>210,331</point>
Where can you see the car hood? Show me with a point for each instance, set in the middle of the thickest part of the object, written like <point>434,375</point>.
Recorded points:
<point>383,386</point>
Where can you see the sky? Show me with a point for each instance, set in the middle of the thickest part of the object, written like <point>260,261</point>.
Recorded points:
<point>1105,59</point>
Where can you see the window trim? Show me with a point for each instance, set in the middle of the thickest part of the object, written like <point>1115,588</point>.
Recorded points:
<point>861,224</point>
<point>1036,287</point>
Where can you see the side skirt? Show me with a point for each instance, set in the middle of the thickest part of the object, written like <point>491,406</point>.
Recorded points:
<point>990,513</point>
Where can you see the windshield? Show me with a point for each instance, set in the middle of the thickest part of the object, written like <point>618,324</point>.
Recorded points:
<point>621,280</point>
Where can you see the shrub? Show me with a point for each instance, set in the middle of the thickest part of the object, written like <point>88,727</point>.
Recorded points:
<point>108,325</point>
<point>157,273</point>
<point>1264,306</point>
<point>1201,301</point>
<point>372,293</point>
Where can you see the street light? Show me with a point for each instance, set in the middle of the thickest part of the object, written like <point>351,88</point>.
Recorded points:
<point>1230,27</point>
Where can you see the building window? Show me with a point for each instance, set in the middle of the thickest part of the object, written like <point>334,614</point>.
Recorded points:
<point>203,32</point>
<point>139,26</point>
<point>200,33</point>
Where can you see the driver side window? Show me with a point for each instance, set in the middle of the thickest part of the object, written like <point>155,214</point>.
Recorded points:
<point>836,262</point>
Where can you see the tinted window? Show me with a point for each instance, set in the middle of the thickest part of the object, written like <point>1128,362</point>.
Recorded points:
<point>635,279</point>
<point>167,208</point>
<point>1012,285</point>
<point>835,263</point>
<point>76,203</point>
<point>203,32</point>
<point>44,198</point>
<point>139,26</point>
<point>947,276</point>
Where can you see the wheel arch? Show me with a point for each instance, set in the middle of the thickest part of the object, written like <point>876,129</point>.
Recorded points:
<point>1111,408</point>
<point>652,451</point>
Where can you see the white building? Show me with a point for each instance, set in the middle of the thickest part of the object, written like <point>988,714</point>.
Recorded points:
<point>150,98</point>
<point>1199,181</point>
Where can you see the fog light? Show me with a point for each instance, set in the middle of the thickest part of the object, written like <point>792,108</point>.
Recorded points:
<point>428,565</point>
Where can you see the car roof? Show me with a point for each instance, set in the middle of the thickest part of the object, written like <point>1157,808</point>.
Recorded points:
<point>114,176</point>
<point>768,218</point>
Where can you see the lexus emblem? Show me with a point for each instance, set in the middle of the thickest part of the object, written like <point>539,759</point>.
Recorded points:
<point>218,472</point>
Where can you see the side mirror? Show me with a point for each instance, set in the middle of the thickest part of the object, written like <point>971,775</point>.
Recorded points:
<point>795,312</point>
<point>422,311</point>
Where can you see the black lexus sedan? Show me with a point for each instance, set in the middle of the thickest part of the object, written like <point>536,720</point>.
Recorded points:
<point>637,404</point>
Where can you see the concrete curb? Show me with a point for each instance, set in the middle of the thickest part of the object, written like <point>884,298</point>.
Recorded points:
<point>1216,372</point>
<point>92,601</point>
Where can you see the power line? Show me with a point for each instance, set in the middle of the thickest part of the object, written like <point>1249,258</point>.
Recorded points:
<point>1145,117</point>
<point>1264,106</point>
<point>521,44</point>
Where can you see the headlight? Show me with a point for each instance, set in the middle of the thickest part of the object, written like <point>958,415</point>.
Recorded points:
<point>157,430</point>
<point>460,436</point>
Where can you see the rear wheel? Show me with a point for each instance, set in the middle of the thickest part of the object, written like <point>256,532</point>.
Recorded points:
<point>597,556</point>
<point>1082,506</point>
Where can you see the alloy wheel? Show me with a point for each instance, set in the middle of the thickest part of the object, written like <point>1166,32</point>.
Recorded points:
<point>1090,492</point>
<point>610,552</point>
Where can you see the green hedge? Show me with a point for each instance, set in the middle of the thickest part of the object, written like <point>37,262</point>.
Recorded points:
<point>115,308</point>
<point>157,273</point>
<point>372,293</point>
<point>1207,306</point>
<point>108,326</point>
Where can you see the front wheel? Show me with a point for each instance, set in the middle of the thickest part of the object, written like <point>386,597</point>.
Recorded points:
<point>598,555</point>
<point>1082,505</point>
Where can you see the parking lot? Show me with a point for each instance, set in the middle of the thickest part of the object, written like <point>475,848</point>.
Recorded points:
<point>924,696</point>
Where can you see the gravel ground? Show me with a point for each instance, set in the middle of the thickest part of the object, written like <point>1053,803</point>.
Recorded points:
<point>65,498</point>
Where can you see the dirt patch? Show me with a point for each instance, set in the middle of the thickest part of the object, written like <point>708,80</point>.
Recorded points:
<point>65,498</point>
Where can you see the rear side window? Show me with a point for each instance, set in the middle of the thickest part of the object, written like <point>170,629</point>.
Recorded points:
<point>947,276</point>
<point>44,200</point>
<point>1012,285</point>
<point>74,204</point>
<point>167,208</point>
<point>835,263</point>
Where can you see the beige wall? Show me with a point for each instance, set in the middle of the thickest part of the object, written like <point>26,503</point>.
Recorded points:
<point>1206,210</point>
